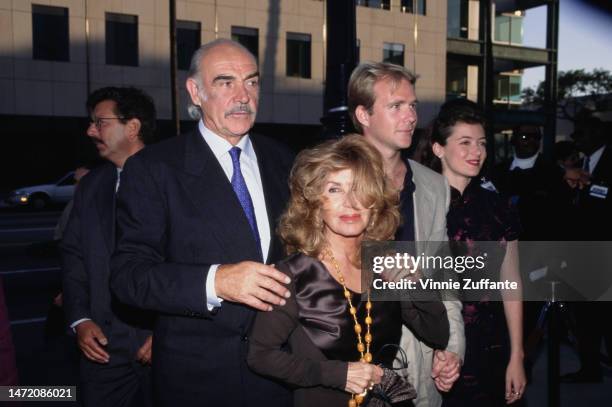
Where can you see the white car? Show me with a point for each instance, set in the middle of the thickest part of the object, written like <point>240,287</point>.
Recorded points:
<point>40,196</point>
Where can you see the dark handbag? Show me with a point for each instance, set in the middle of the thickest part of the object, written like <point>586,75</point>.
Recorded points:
<point>394,387</point>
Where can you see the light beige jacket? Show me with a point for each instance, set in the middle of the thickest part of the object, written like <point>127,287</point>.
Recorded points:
<point>431,201</point>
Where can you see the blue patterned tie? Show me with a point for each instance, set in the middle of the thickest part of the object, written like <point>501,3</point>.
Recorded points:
<point>240,188</point>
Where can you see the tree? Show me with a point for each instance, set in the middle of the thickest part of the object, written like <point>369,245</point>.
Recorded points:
<point>577,90</point>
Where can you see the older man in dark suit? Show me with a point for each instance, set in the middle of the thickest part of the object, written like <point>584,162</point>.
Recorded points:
<point>115,339</point>
<point>196,218</point>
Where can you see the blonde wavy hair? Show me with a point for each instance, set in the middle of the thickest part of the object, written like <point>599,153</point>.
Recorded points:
<point>301,227</point>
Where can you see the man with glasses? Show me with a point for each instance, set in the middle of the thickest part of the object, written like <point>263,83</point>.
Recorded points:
<point>535,187</point>
<point>532,184</point>
<point>115,339</point>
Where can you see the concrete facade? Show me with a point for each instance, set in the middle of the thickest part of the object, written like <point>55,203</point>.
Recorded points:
<point>49,88</point>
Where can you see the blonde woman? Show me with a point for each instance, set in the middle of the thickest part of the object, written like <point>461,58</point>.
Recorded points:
<point>339,197</point>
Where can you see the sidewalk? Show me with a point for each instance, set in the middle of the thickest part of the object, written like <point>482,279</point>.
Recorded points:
<point>585,395</point>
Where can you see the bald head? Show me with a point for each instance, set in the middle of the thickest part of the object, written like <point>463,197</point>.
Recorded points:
<point>223,84</point>
<point>205,52</point>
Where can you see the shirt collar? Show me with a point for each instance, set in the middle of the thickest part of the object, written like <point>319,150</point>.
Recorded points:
<point>594,158</point>
<point>118,178</point>
<point>523,163</point>
<point>221,146</point>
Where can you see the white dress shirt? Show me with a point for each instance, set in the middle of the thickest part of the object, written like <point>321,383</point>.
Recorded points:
<point>594,159</point>
<point>250,171</point>
<point>523,163</point>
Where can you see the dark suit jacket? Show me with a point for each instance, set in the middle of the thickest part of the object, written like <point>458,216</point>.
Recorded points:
<point>316,324</point>
<point>594,220</point>
<point>540,196</point>
<point>87,246</point>
<point>177,214</point>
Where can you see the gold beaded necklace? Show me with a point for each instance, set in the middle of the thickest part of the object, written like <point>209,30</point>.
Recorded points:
<point>364,350</point>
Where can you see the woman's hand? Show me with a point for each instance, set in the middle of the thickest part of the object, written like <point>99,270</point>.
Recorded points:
<point>515,379</point>
<point>362,376</point>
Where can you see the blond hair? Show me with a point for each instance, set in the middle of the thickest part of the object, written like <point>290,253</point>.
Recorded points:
<point>301,226</point>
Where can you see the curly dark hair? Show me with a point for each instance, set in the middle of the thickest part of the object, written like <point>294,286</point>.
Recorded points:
<point>452,112</point>
<point>130,103</point>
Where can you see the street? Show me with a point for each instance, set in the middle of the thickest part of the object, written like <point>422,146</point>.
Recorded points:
<point>30,271</point>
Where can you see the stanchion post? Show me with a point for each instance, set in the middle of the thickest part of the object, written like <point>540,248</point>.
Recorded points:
<point>554,387</point>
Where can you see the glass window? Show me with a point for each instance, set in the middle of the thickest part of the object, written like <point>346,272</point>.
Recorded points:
<point>516,30</point>
<point>456,79</point>
<point>508,88</point>
<point>393,53</point>
<point>501,88</point>
<point>509,29</point>
<point>50,38</point>
<point>121,39</point>
<point>358,50</point>
<point>383,4</point>
<point>514,88</point>
<point>248,37</point>
<point>298,55</point>
<point>414,6</point>
<point>188,40</point>
<point>69,180</point>
<point>458,18</point>
<point>502,29</point>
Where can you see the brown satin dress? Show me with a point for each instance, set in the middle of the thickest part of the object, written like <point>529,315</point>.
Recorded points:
<point>308,342</point>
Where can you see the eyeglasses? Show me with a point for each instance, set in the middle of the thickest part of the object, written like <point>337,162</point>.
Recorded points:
<point>529,136</point>
<point>99,120</point>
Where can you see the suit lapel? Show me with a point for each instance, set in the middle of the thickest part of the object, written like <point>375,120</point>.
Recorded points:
<point>424,209</point>
<point>105,205</point>
<point>213,195</point>
<point>423,205</point>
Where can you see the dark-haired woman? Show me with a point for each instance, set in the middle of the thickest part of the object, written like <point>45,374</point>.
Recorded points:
<point>493,372</point>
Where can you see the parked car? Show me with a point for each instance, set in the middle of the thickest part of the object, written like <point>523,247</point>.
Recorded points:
<point>40,196</point>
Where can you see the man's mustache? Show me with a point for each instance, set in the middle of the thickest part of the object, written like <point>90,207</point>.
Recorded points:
<point>240,109</point>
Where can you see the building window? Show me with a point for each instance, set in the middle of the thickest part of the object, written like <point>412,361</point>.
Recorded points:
<point>121,39</point>
<point>456,79</point>
<point>50,40</point>
<point>509,29</point>
<point>414,6</point>
<point>298,55</point>
<point>358,50</point>
<point>248,37</point>
<point>458,18</point>
<point>393,53</point>
<point>507,89</point>
<point>383,4</point>
<point>188,34</point>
